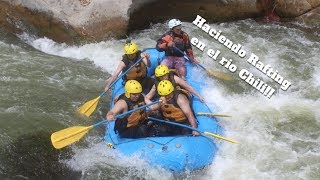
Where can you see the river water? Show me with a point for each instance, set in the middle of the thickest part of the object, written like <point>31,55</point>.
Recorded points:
<point>43,83</point>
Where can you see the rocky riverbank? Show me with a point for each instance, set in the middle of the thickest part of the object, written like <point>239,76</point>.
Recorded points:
<point>93,20</point>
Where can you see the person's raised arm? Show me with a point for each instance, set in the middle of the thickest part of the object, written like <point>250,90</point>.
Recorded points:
<point>187,87</point>
<point>115,75</point>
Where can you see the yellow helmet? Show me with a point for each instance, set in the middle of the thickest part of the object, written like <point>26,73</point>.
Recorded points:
<point>161,70</point>
<point>165,87</point>
<point>130,48</point>
<point>132,86</point>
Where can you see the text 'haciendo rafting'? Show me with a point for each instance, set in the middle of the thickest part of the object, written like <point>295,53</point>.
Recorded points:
<point>244,74</point>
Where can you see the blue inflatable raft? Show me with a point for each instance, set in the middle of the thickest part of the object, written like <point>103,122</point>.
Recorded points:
<point>175,153</point>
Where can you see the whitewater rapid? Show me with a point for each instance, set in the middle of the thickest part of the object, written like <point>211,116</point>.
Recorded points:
<point>280,136</point>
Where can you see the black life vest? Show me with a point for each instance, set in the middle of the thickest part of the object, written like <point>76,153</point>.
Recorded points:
<point>138,72</point>
<point>176,86</point>
<point>171,79</point>
<point>134,118</point>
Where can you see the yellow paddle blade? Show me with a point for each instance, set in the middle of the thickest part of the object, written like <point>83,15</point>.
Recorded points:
<point>214,115</point>
<point>88,108</point>
<point>220,75</point>
<point>68,136</point>
<point>220,137</point>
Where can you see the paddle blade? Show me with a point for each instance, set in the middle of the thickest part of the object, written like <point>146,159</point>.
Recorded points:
<point>68,136</point>
<point>220,137</point>
<point>219,75</point>
<point>88,108</point>
<point>213,115</point>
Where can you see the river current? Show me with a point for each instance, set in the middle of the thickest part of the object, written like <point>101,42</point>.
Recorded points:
<point>43,82</point>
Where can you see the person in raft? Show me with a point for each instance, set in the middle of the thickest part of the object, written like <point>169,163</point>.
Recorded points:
<point>133,125</point>
<point>175,37</point>
<point>139,72</point>
<point>176,107</point>
<point>162,72</point>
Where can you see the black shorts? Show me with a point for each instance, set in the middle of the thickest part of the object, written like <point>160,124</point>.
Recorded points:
<point>138,131</point>
<point>159,129</point>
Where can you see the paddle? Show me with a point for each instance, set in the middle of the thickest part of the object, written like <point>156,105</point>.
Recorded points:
<point>213,115</point>
<point>88,108</point>
<point>70,135</point>
<point>220,75</point>
<point>194,129</point>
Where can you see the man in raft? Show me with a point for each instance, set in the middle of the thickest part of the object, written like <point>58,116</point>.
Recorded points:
<point>175,107</point>
<point>139,72</point>
<point>133,125</point>
<point>162,72</point>
<point>175,37</point>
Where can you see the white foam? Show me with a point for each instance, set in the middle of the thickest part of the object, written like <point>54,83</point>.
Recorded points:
<point>97,157</point>
<point>263,126</point>
<point>316,77</point>
<point>105,54</point>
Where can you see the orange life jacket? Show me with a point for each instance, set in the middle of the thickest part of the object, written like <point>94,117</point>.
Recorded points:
<point>134,118</point>
<point>138,72</point>
<point>181,41</point>
<point>171,111</point>
<point>172,73</point>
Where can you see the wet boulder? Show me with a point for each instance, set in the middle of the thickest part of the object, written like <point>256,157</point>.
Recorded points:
<point>289,8</point>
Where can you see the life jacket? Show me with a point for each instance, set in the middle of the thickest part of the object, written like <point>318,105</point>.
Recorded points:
<point>181,41</point>
<point>171,78</point>
<point>176,86</point>
<point>134,118</point>
<point>171,111</point>
<point>138,72</point>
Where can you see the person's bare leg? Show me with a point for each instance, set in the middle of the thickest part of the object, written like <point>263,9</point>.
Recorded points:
<point>182,72</point>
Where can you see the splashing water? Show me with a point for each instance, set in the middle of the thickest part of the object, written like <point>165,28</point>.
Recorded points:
<point>279,136</point>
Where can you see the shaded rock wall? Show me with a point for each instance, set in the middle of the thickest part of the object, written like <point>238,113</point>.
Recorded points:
<point>74,21</point>
<point>19,19</point>
<point>186,10</point>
